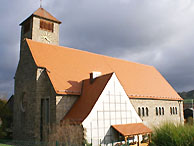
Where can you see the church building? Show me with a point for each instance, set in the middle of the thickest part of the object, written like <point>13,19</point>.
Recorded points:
<point>109,97</point>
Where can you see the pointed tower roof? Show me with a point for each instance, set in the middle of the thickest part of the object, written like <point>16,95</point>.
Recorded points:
<point>42,13</point>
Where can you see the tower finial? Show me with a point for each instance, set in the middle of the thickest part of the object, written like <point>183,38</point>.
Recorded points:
<point>40,3</point>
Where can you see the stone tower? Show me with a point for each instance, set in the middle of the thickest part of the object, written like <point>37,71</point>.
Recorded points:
<point>33,92</point>
<point>41,26</point>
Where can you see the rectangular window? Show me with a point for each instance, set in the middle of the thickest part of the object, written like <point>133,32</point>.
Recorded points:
<point>45,25</point>
<point>26,27</point>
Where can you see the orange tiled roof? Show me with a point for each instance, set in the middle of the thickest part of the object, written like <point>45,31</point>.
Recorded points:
<point>88,98</point>
<point>40,12</point>
<point>67,67</point>
<point>44,14</point>
<point>132,129</point>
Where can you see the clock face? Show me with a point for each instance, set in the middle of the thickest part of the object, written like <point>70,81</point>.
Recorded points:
<point>46,37</point>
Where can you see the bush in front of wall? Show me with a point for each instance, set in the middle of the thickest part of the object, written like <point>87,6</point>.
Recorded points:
<point>170,134</point>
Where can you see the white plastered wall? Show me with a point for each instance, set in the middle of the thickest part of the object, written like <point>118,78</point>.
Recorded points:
<point>113,107</point>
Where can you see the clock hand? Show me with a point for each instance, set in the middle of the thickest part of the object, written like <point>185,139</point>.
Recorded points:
<point>47,39</point>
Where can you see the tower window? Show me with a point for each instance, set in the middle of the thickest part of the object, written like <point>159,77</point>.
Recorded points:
<point>26,27</point>
<point>45,25</point>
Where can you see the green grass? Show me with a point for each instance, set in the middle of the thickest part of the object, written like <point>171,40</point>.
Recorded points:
<point>173,135</point>
<point>4,145</point>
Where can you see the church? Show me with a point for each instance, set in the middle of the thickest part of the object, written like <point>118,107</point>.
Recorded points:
<point>109,97</point>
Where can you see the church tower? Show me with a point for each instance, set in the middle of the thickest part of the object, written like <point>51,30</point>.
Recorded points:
<point>41,26</point>
<point>30,97</point>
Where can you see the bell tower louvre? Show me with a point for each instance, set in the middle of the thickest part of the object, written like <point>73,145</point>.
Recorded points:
<point>41,26</point>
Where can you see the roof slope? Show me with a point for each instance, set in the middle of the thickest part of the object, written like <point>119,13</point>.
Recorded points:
<point>41,12</point>
<point>68,67</point>
<point>90,94</point>
<point>132,129</point>
<point>44,14</point>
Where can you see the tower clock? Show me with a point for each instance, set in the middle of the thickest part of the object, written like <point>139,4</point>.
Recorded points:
<point>41,26</point>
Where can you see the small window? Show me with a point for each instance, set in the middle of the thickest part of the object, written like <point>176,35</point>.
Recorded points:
<point>45,25</point>
<point>139,111</point>
<point>26,27</point>
<point>143,112</point>
<point>176,110</point>
<point>162,110</point>
<point>171,110</point>
<point>156,111</point>
<point>147,112</point>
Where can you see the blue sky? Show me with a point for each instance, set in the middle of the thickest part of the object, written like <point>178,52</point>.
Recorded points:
<point>158,33</point>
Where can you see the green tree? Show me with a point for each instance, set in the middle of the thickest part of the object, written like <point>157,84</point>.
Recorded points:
<point>6,120</point>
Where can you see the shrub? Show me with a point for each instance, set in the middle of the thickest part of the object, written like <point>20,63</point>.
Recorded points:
<point>68,133</point>
<point>170,134</point>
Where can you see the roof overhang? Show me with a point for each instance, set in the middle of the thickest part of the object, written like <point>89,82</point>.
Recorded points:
<point>132,129</point>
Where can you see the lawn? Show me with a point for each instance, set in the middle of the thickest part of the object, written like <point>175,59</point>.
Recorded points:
<point>4,145</point>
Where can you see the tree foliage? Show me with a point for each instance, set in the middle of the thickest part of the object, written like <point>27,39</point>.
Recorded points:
<point>6,120</point>
<point>170,134</point>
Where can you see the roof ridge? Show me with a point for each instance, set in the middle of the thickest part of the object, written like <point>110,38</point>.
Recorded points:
<point>84,51</point>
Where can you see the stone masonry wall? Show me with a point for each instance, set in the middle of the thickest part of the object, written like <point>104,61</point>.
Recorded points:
<point>24,97</point>
<point>37,33</point>
<point>63,105</point>
<point>31,85</point>
<point>154,120</point>
<point>44,91</point>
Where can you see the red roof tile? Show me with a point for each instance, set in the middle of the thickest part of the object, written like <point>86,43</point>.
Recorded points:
<point>40,12</point>
<point>44,14</point>
<point>132,129</point>
<point>90,94</point>
<point>67,67</point>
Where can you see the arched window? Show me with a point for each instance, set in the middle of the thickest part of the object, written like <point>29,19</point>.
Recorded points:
<point>171,110</point>
<point>143,112</point>
<point>23,102</point>
<point>139,111</point>
<point>147,112</point>
<point>162,110</point>
<point>156,111</point>
<point>176,110</point>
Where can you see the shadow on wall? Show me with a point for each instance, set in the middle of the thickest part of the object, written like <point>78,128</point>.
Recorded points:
<point>112,136</point>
